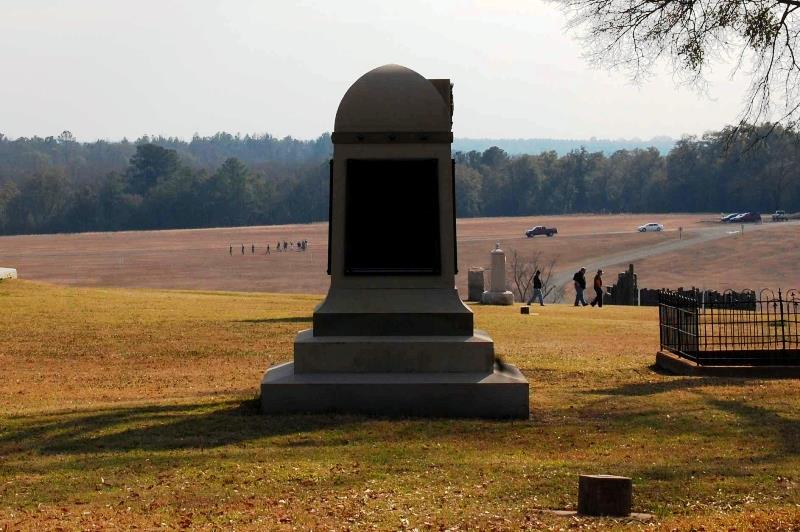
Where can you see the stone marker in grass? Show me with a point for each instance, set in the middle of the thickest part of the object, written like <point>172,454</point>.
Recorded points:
<point>475,284</point>
<point>604,495</point>
<point>393,337</point>
<point>498,294</point>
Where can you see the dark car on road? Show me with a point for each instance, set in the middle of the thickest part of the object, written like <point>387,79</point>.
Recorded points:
<point>540,230</point>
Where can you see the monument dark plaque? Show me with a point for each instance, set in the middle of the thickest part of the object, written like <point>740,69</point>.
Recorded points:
<point>392,217</point>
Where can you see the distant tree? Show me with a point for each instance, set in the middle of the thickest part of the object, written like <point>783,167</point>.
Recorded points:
<point>40,204</point>
<point>229,194</point>
<point>116,207</point>
<point>174,202</point>
<point>66,136</point>
<point>468,191</point>
<point>8,191</point>
<point>150,164</point>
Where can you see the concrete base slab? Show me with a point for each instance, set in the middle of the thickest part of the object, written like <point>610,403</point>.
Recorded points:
<point>681,366</point>
<point>497,298</point>
<point>8,273</point>
<point>501,393</point>
<point>393,354</point>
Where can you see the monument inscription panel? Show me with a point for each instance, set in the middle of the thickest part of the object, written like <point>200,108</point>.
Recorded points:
<point>392,217</point>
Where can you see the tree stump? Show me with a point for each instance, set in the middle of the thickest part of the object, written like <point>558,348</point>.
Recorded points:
<point>604,495</point>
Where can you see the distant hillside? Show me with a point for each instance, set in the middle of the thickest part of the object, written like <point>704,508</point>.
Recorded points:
<point>562,146</point>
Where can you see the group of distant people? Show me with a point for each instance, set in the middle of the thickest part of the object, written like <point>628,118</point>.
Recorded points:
<point>280,246</point>
<point>580,285</point>
<point>579,279</point>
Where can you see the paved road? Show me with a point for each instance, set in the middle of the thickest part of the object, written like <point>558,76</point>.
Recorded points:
<point>694,238</point>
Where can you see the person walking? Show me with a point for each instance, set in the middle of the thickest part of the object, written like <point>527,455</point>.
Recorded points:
<point>253,249</point>
<point>242,249</point>
<point>267,249</point>
<point>231,249</point>
<point>537,289</point>
<point>580,285</point>
<point>598,289</point>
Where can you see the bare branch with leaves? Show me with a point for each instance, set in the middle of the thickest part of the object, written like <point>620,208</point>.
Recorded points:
<point>635,35</point>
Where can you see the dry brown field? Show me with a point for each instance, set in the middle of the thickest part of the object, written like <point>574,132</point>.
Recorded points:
<point>199,259</point>
<point>137,408</point>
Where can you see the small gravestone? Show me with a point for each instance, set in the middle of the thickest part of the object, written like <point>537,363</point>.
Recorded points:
<point>392,336</point>
<point>497,293</point>
<point>604,495</point>
<point>475,284</point>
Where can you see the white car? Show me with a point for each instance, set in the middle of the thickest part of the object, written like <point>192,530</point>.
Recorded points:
<point>650,227</point>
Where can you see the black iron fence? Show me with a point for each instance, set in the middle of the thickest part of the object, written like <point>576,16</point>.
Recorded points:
<point>736,328</point>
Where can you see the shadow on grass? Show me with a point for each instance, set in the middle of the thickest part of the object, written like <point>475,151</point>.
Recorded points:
<point>155,427</point>
<point>296,319</point>
<point>785,432</point>
<point>212,425</point>
<point>636,389</point>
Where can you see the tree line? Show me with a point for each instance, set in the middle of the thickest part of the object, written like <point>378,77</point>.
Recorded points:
<point>733,170</point>
<point>57,184</point>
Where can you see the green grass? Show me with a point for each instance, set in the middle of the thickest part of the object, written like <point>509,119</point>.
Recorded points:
<point>124,408</point>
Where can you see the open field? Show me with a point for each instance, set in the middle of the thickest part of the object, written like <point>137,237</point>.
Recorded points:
<point>124,408</point>
<point>199,259</point>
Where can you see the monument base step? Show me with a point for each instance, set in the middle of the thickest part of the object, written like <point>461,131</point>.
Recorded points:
<point>393,354</point>
<point>497,298</point>
<point>501,393</point>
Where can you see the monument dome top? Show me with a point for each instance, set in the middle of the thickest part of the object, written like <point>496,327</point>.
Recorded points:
<point>392,98</point>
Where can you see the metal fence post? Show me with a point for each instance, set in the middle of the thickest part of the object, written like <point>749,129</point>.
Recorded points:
<point>783,323</point>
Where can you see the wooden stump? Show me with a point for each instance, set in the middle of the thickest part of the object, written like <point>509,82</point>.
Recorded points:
<point>600,495</point>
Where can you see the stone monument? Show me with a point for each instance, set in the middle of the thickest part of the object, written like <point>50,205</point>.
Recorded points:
<point>497,293</point>
<point>475,284</point>
<point>8,273</point>
<point>392,336</point>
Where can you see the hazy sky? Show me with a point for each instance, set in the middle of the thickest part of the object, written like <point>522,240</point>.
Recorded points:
<point>108,69</point>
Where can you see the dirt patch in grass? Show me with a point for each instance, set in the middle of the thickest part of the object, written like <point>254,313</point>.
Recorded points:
<point>125,408</point>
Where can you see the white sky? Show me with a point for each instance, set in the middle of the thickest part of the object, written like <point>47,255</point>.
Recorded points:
<point>108,69</point>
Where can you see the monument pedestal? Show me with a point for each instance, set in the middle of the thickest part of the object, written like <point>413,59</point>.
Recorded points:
<point>497,298</point>
<point>500,393</point>
<point>434,376</point>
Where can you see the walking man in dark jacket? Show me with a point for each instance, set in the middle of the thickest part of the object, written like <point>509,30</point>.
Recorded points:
<point>537,289</point>
<point>580,286</point>
<point>598,289</point>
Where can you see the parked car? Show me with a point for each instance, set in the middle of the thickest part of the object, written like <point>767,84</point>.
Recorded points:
<point>646,228</point>
<point>747,218</point>
<point>728,218</point>
<point>780,216</point>
<point>540,230</point>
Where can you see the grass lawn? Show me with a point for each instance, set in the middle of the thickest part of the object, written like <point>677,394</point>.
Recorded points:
<point>122,408</point>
